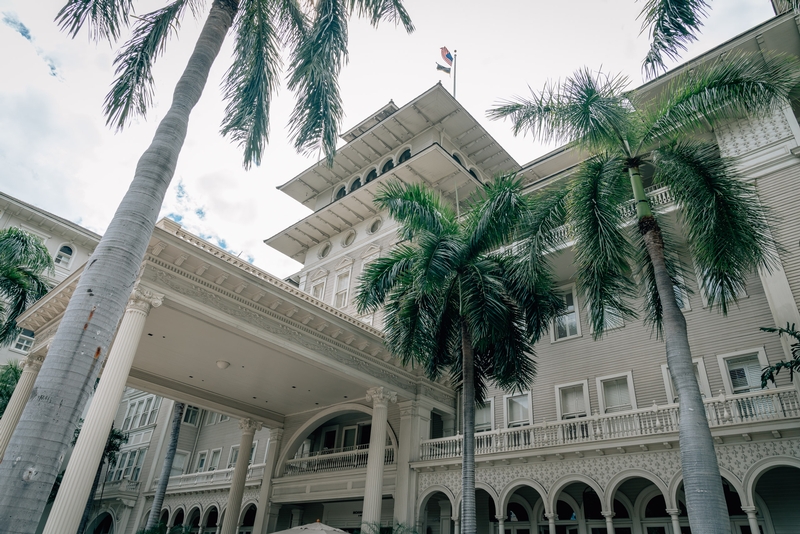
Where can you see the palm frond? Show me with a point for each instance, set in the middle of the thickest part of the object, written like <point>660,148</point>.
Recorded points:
<point>252,80</point>
<point>381,276</point>
<point>484,300</point>
<point>20,248</point>
<point>105,18</point>
<point>417,209</point>
<point>602,250</point>
<point>494,214</point>
<point>727,229</point>
<point>291,21</point>
<point>378,10</point>
<point>735,86</point>
<point>316,63</point>
<point>132,92</point>
<point>671,24</point>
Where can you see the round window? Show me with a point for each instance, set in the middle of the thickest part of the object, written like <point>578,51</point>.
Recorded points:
<point>375,226</point>
<point>348,239</point>
<point>325,250</point>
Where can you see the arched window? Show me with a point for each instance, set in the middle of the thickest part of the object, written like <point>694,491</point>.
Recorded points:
<point>340,193</point>
<point>474,174</point>
<point>355,185</point>
<point>64,256</point>
<point>405,156</point>
<point>457,159</point>
<point>388,166</point>
<point>372,175</point>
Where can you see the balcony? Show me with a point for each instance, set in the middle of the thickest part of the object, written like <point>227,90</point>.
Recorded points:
<point>722,411</point>
<point>217,477</point>
<point>334,460</point>
<point>124,488</point>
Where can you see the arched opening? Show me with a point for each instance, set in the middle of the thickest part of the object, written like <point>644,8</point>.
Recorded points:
<point>340,193</point>
<point>164,517</point>
<point>103,524</point>
<point>437,516</point>
<point>371,176</point>
<point>193,521</point>
<point>519,513</point>
<point>485,512</point>
<point>355,185</point>
<point>178,518</point>
<point>388,166</point>
<point>248,520</point>
<point>628,488</point>
<point>64,256</point>
<point>405,156</point>
<point>474,174</point>
<point>212,521</point>
<point>458,160</point>
<point>778,488</point>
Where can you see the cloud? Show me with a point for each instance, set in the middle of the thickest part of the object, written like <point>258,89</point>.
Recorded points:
<point>12,21</point>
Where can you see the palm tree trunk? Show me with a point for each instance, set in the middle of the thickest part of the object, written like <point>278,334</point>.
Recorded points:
<point>166,469</point>
<point>88,509</point>
<point>468,520</point>
<point>705,501</point>
<point>42,436</point>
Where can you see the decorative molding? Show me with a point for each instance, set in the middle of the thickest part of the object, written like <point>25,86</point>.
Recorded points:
<point>142,299</point>
<point>381,397</point>
<point>741,137</point>
<point>248,425</point>
<point>346,262</point>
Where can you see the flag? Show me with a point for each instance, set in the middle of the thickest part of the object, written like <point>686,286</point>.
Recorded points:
<point>442,67</point>
<point>446,56</point>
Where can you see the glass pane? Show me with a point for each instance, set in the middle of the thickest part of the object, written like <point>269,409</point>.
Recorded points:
<point>518,409</point>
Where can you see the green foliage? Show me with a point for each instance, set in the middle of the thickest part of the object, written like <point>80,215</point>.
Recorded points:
<point>769,373</point>
<point>24,265</point>
<point>9,376</point>
<point>116,439</point>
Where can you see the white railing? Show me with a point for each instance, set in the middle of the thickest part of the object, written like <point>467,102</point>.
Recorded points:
<point>212,477</point>
<point>325,461</point>
<point>118,486</point>
<point>766,405</point>
<point>658,195</point>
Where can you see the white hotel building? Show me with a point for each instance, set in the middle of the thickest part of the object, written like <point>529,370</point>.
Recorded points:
<point>338,430</point>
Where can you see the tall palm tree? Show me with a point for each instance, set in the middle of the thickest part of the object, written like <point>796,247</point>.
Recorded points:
<point>317,41</point>
<point>727,231</point>
<point>24,266</point>
<point>673,24</point>
<point>166,469</point>
<point>454,303</point>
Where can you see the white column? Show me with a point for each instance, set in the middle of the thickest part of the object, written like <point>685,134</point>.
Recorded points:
<point>373,488</point>
<point>31,366</point>
<point>609,521</point>
<point>551,521</point>
<point>414,427</point>
<point>65,516</point>
<point>501,524</point>
<point>751,512</point>
<point>264,508</point>
<point>272,519</point>
<point>231,522</point>
<point>674,515</point>
<point>457,526</point>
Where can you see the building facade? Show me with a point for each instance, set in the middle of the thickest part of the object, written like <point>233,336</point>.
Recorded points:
<point>339,430</point>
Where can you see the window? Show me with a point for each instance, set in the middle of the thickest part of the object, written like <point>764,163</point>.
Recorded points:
<point>342,286</point>
<point>356,184</point>
<point>484,417</point>
<point>405,156</point>
<point>518,410</point>
<point>567,324</point>
<point>213,462</point>
<point>64,256</point>
<point>179,463</point>
<point>24,340</point>
<point>191,415</point>
<point>375,226</point>
<point>367,319</point>
<point>612,318</point>
<point>348,239</point>
<point>340,193</point>
<point>318,289</point>
<point>253,448</point>
<point>741,371</point>
<point>324,250</point>
<point>128,465</point>
<point>457,159</point>
<point>372,175</point>
<point>202,459</point>
<point>388,166</point>
<point>141,412</point>
<point>233,456</point>
<point>223,418</point>
<point>573,400</point>
<point>474,174</point>
<point>699,374</point>
<point>211,418</point>
<point>615,393</point>
<point>137,467</point>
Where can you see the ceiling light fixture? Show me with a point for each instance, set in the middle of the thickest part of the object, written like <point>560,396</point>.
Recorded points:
<point>222,364</point>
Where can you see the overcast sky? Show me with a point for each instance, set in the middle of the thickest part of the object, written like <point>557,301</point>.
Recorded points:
<point>56,152</point>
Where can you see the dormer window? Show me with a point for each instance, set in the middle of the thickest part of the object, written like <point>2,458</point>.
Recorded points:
<point>372,175</point>
<point>64,256</point>
<point>340,193</point>
<point>405,156</point>
<point>355,185</point>
<point>388,166</point>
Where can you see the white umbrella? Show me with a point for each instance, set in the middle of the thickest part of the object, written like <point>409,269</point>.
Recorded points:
<point>312,528</point>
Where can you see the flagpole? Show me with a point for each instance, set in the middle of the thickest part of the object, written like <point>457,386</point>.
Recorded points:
<point>455,57</point>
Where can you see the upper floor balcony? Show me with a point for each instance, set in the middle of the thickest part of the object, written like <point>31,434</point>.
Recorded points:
<point>658,422</point>
<point>211,479</point>
<point>335,460</point>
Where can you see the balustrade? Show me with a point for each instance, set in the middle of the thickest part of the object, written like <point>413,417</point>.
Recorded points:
<point>334,460</point>
<point>211,477</point>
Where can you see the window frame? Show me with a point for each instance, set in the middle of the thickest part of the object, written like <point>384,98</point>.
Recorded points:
<point>505,409</point>
<point>211,456</point>
<point>70,258</point>
<point>202,455</point>
<point>490,404</point>
<point>703,383</point>
<point>197,419</point>
<point>231,462</point>
<point>586,401</point>
<point>224,417</point>
<point>601,397</point>
<point>210,418</point>
<point>606,328</point>
<point>576,305</point>
<point>346,300</point>
<point>317,283</point>
<point>722,360</point>
<point>22,334</point>
<point>185,465</point>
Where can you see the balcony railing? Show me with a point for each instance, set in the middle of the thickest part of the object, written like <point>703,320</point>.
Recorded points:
<point>336,460</point>
<point>118,487</point>
<point>767,405</point>
<point>210,478</point>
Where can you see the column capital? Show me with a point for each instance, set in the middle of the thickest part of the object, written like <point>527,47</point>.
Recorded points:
<point>247,425</point>
<point>607,514</point>
<point>380,396</point>
<point>143,299</point>
<point>34,360</point>
<point>551,516</point>
<point>750,510</point>
<point>276,434</point>
<point>670,511</point>
<point>500,517</point>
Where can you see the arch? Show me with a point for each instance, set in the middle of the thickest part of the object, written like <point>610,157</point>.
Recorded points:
<point>371,175</point>
<point>207,515</point>
<point>643,499</point>
<point>514,485</point>
<point>340,191</point>
<point>64,255</point>
<point>319,419</point>
<point>387,166</point>
<point>617,480</point>
<point>458,157</point>
<point>759,468</point>
<point>478,485</point>
<point>100,518</point>
<point>161,518</point>
<point>675,483</point>
<point>565,481</point>
<point>425,496</point>
<point>405,155</point>
<point>179,513</point>
<point>245,516</point>
<point>194,512</point>
<point>355,184</point>
<point>474,172</point>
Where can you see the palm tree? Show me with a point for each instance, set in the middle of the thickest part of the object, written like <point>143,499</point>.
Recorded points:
<point>453,302</point>
<point>166,469</point>
<point>727,231</point>
<point>317,41</point>
<point>673,24</point>
<point>24,265</point>
<point>116,439</point>
<point>9,376</point>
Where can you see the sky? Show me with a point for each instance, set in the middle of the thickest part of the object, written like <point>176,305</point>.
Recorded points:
<point>57,153</point>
